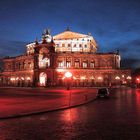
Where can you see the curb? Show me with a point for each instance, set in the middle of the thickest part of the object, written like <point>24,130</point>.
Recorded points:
<point>45,111</point>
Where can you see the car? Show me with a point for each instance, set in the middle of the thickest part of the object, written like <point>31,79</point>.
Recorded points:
<point>103,92</point>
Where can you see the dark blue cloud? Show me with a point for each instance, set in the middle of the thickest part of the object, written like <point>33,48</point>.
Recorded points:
<point>115,24</point>
<point>130,63</point>
<point>12,48</point>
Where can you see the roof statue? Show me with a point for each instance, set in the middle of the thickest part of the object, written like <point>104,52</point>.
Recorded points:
<point>47,31</point>
<point>36,41</point>
<point>68,29</point>
<point>89,34</point>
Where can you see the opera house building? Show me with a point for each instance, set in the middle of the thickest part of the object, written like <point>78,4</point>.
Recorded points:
<point>47,61</point>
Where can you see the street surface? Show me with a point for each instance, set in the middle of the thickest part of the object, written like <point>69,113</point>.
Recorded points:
<point>116,118</point>
<point>24,101</point>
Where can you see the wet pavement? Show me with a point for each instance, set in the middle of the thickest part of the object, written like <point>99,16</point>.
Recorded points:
<point>17,102</point>
<point>115,118</point>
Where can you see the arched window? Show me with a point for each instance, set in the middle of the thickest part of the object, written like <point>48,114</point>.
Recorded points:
<point>85,46</point>
<point>80,45</point>
<point>44,63</point>
<point>68,64</point>
<point>63,45</point>
<point>92,64</point>
<point>77,63</point>
<point>19,65</point>
<point>60,64</point>
<point>69,45</point>
<point>29,65</point>
<point>85,64</point>
<point>24,65</point>
<point>42,79</point>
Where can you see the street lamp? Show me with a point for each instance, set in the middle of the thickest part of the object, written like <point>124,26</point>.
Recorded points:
<point>137,81</point>
<point>68,76</point>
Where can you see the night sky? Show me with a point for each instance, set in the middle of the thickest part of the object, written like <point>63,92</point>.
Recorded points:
<point>115,24</point>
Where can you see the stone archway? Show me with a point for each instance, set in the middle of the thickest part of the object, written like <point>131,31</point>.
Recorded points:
<point>43,79</point>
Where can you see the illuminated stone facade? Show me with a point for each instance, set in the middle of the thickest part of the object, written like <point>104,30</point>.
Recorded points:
<point>46,62</point>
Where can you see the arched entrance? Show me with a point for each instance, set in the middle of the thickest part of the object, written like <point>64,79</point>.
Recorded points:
<point>42,79</point>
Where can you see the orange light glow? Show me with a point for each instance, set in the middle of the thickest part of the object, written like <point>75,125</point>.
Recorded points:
<point>42,79</point>
<point>60,70</point>
<point>129,78</point>
<point>12,79</point>
<point>22,78</point>
<point>17,78</point>
<point>117,78</point>
<point>74,77</point>
<point>28,78</point>
<point>100,78</point>
<point>63,78</point>
<point>92,78</point>
<point>83,78</point>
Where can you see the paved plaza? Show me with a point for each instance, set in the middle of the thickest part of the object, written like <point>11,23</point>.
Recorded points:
<point>25,101</point>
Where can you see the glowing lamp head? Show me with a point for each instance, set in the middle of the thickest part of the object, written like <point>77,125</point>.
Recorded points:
<point>138,79</point>
<point>68,74</point>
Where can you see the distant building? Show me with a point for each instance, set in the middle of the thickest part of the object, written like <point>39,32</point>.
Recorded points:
<point>46,62</point>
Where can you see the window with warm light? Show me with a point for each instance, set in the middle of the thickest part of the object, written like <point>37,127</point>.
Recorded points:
<point>42,79</point>
<point>63,45</point>
<point>77,64</point>
<point>68,64</point>
<point>60,64</point>
<point>29,64</point>
<point>85,64</point>
<point>44,63</point>
<point>92,65</point>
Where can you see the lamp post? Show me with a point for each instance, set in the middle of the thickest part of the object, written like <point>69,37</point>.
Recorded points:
<point>68,76</point>
<point>137,81</point>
